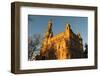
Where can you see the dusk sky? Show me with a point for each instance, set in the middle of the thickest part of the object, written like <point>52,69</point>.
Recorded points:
<point>37,24</point>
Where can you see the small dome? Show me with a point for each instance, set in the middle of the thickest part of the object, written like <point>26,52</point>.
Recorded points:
<point>68,26</point>
<point>79,35</point>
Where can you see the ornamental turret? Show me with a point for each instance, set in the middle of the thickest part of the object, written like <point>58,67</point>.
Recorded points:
<point>49,32</point>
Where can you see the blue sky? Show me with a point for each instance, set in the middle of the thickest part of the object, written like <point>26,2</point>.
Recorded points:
<point>37,24</point>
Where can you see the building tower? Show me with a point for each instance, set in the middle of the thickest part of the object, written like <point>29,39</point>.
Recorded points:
<point>49,32</point>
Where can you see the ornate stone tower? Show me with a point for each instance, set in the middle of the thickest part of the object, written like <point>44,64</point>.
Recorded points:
<point>46,42</point>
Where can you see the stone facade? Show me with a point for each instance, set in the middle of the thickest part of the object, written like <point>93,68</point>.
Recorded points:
<point>65,45</point>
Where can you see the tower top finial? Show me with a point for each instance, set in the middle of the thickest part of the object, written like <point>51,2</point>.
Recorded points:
<point>50,25</point>
<point>50,21</point>
<point>68,26</point>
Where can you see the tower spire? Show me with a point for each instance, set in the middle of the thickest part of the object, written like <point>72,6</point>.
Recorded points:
<point>49,32</point>
<point>50,25</point>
